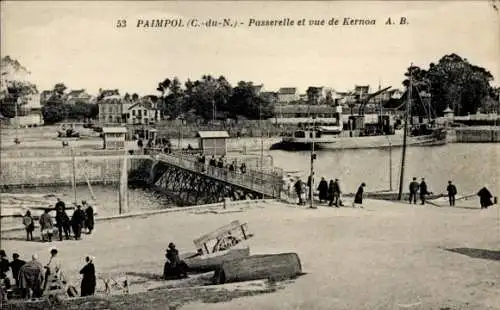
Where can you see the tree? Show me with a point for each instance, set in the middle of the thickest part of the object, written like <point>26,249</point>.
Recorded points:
<point>210,95</point>
<point>15,96</point>
<point>313,94</point>
<point>59,90</point>
<point>244,101</point>
<point>452,82</point>
<point>135,97</point>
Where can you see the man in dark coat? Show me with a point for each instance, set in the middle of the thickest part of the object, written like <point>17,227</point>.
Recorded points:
<point>423,191</point>
<point>77,221</point>
<point>414,190</point>
<point>60,204</point>
<point>62,222</point>
<point>323,190</point>
<point>485,198</point>
<point>309,186</point>
<point>87,287</point>
<point>15,266</point>
<point>452,191</point>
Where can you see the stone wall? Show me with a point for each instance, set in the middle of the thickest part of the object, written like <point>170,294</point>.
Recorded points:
<point>59,171</point>
<point>483,135</point>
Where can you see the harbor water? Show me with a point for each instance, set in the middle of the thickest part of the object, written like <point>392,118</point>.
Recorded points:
<point>470,166</point>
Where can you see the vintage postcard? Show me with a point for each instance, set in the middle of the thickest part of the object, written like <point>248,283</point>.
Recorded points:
<point>250,155</point>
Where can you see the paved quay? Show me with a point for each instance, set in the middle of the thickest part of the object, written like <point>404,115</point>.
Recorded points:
<point>385,256</point>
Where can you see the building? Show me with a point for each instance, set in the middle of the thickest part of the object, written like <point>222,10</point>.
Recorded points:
<point>77,96</point>
<point>114,137</point>
<point>213,142</point>
<point>111,110</point>
<point>258,89</point>
<point>288,94</point>
<point>142,113</point>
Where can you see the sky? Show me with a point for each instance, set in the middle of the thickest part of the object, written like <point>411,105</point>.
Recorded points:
<point>78,43</point>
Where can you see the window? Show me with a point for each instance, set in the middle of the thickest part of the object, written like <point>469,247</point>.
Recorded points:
<point>145,112</point>
<point>133,112</point>
<point>140,113</point>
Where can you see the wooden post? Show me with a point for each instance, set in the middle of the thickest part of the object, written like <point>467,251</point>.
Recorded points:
<point>123,192</point>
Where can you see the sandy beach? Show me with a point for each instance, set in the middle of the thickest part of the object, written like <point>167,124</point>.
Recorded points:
<point>385,256</point>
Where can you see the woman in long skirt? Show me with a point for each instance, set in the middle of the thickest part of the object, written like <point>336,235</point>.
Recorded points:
<point>358,198</point>
<point>88,280</point>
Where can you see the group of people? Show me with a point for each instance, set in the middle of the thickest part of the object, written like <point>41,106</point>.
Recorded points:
<point>82,218</point>
<point>34,280</point>
<point>418,188</point>
<point>328,192</point>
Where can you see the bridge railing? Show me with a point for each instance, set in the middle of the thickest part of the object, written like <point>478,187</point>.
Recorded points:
<point>267,183</point>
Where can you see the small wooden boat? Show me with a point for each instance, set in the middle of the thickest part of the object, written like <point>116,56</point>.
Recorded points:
<point>212,261</point>
<point>255,267</point>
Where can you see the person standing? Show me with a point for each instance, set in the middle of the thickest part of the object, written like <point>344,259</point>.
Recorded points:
<point>331,192</point>
<point>423,191</point>
<point>60,204</point>
<point>15,266</point>
<point>309,187</point>
<point>337,192</point>
<point>298,188</point>
<point>89,217</point>
<point>413,190</point>
<point>4,268</point>
<point>358,198</point>
<point>53,269</point>
<point>29,225</point>
<point>31,278</point>
<point>62,222</point>
<point>452,191</point>
<point>323,190</point>
<point>88,284</point>
<point>46,226</point>
<point>77,222</point>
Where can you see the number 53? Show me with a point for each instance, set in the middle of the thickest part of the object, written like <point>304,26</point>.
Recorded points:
<point>121,23</point>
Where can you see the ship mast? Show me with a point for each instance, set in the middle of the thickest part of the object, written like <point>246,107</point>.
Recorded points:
<point>405,134</point>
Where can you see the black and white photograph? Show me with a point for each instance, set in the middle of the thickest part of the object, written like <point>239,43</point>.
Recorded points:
<point>221,155</point>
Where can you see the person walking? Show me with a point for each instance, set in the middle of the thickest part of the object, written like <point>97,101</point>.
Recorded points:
<point>46,226</point>
<point>358,198</point>
<point>29,225</point>
<point>452,191</point>
<point>323,190</point>
<point>88,284</point>
<point>414,190</point>
<point>423,191</point>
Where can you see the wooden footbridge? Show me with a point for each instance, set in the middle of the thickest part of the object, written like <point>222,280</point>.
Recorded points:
<point>188,181</point>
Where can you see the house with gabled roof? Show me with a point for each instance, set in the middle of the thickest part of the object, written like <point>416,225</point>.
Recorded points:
<point>143,112</point>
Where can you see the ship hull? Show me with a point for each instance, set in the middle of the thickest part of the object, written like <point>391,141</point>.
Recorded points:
<point>368,142</point>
